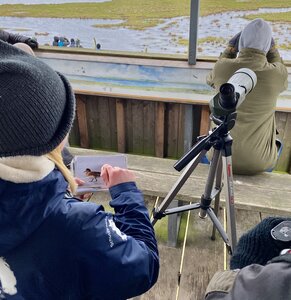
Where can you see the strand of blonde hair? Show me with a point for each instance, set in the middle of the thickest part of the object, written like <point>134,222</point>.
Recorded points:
<point>56,157</point>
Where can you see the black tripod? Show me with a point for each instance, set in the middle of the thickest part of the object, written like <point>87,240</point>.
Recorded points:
<point>221,164</point>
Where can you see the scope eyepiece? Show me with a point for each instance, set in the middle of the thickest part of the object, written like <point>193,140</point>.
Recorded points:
<point>233,92</point>
<point>227,96</point>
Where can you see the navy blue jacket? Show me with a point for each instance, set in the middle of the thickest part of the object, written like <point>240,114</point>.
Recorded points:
<point>59,248</point>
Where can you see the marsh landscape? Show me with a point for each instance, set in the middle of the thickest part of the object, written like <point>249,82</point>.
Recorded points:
<point>144,26</point>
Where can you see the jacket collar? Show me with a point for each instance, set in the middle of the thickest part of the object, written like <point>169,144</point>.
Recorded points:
<point>251,52</point>
<point>25,169</point>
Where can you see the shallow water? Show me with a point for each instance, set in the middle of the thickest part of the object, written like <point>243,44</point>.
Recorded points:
<point>159,39</point>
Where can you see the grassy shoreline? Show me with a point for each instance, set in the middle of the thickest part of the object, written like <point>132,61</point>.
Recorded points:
<point>140,14</point>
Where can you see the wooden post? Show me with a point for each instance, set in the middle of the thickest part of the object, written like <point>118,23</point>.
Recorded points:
<point>188,127</point>
<point>82,120</point>
<point>193,31</point>
<point>120,122</point>
<point>204,122</point>
<point>173,224</point>
<point>160,129</point>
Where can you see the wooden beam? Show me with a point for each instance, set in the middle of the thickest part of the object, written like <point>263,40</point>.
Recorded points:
<point>82,120</point>
<point>160,129</point>
<point>120,122</point>
<point>204,122</point>
<point>161,97</point>
<point>188,127</point>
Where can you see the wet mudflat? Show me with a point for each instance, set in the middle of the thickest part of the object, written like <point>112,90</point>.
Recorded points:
<point>167,37</point>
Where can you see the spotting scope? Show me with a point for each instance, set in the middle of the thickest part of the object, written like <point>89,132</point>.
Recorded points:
<point>233,93</point>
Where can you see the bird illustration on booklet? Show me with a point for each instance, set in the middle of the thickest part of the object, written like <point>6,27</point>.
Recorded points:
<point>88,168</point>
<point>92,174</point>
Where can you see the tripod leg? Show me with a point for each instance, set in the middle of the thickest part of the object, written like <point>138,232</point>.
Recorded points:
<point>218,186</point>
<point>219,228</point>
<point>177,186</point>
<point>206,197</point>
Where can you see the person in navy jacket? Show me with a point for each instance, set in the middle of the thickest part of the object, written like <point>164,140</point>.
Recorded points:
<point>53,246</point>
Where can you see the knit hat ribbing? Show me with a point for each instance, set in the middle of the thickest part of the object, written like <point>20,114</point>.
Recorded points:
<point>257,34</point>
<point>37,104</point>
<point>257,246</point>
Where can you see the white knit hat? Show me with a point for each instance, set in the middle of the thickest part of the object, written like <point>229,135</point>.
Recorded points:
<point>257,34</point>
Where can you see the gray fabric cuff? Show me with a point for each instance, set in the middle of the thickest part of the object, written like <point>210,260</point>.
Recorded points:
<point>222,281</point>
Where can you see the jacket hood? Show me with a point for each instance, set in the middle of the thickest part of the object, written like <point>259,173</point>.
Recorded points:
<point>28,193</point>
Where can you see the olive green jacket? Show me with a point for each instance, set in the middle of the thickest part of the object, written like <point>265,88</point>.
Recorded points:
<point>254,149</point>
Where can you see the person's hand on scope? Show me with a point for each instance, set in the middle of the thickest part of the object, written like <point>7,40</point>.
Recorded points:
<point>115,175</point>
<point>257,246</point>
<point>233,43</point>
<point>272,47</point>
<point>273,53</point>
<point>31,43</point>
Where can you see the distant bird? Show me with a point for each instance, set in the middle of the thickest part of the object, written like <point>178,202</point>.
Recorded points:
<point>93,174</point>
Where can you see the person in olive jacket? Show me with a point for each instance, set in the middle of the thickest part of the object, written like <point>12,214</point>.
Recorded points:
<point>254,134</point>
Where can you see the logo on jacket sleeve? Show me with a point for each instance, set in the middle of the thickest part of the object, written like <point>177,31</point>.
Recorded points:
<point>7,280</point>
<point>111,228</point>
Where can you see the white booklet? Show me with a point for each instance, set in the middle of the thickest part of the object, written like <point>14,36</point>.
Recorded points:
<point>88,168</point>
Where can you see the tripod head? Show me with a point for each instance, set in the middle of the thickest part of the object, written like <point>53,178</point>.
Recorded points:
<point>205,142</point>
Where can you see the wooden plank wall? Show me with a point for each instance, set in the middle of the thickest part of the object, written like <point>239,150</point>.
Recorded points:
<point>132,126</point>
<point>150,127</point>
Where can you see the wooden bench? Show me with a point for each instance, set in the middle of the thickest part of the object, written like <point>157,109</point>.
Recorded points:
<point>268,193</point>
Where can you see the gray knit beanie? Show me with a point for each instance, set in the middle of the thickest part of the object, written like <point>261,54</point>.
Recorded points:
<point>37,104</point>
<point>257,34</point>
